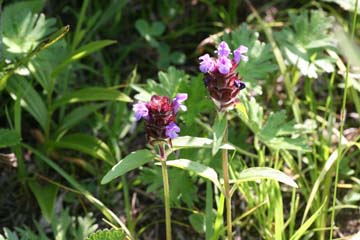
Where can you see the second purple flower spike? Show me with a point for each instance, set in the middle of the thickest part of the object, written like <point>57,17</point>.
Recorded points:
<point>221,78</point>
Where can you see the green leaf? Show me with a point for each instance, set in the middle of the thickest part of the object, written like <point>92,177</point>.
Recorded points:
<point>75,184</point>
<point>76,116</point>
<point>83,52</point>
<point>219,128</point>
<point>130,162</point>
<point>305,40</point>
<point>8,138</point>
<point>113,234</point>
<point>198,168</point>
<point>19,87</point>
<point>260,54</point>
<point>86,144</point>
<point>269,134</point>
<point>22,29</point>
<point>92,94</point>
<point>169,84</point>
<point>86,226</point>
<point>251,113</point>
<point>45,196</point>
<point>197,220</point>
<point>304,227</point>
<point>258,173</point>
<point>196,142</point>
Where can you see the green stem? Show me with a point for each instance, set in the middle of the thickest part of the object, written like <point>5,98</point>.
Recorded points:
<point>225,167</point>
<point>166,192</point>
<point>342,122</point>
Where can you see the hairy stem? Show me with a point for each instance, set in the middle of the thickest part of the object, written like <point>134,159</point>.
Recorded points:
<point>225,167</point>
<point>166,191</point>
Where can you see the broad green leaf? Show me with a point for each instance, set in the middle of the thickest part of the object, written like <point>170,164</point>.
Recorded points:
<point>113,234</point>
<point>258,173</point>
<point>86,144</point>
<point>196,142</point>
<point>92,94</point>
<point>83,52</point>
<point>76,116</point>
<point>305,226</point>
<point>130,162</point>
<point>198,168</point>
<point>19,87</point>
<point>219,128</point>
<point>22,28</point>
<point>8,138</point>
<point>45,196</point>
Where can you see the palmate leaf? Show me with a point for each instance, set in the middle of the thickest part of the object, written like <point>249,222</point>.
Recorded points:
<point>277,133</point>
<point>260,54</point>
<point>303,42</point>
<point>168,85</point>
<point>22,28</point>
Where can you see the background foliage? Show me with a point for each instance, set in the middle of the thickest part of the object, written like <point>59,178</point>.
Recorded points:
<point>70,71</point>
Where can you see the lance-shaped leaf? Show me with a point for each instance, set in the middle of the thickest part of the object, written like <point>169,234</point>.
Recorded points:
<point>130,162</point>
<point>258,173</point>
<point>220,126</point>
<point>198,168</point>
<point>92,94</point>
<point>88,145</point>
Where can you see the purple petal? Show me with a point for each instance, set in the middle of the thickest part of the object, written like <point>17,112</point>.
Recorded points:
<point>224,65</point>
<point>223,49</point>
<point>141,111</point>
<point>207,63</point>
<point>172,130</point>
<point>181,97</point>
<point>238,54</point>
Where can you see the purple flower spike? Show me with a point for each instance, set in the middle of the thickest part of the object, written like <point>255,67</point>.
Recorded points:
<point>181,97</point>
<point>172,130</point>
<point>223,49</point>
<point>207,63</point>
<point>239,54</point>
<point>224,65</point>
<point>141,111</point>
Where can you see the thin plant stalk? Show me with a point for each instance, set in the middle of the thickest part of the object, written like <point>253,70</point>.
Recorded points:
<point>166,191</point>
<point>342,122</point>
<point>225,167</point>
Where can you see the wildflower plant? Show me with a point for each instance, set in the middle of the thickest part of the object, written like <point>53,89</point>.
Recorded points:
<point>159,115</point>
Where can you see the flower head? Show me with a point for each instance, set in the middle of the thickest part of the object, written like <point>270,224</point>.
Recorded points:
<point>239,54</point>
<point>221,78</point>
<point>223,49</point>
<point>159,115</point>
<point>141,111</point>
<point>206,63</point>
